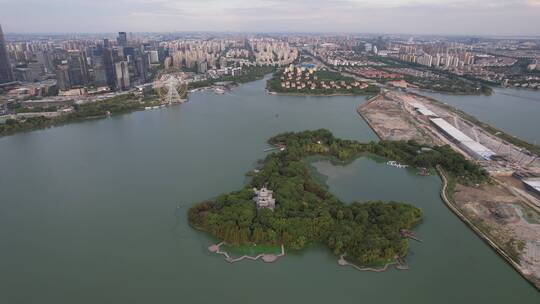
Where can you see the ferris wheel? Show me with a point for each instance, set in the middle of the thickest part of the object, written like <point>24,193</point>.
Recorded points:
<point>171,89</point>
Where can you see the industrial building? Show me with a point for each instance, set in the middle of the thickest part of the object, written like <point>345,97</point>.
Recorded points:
<point>533,184</point>
<point>420,108</point>
<point>474,148</point>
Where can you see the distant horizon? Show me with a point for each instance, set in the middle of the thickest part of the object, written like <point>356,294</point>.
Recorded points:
<point>411,17</point>
<point>463,35</point>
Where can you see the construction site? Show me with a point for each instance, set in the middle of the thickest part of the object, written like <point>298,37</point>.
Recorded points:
<point>505,210</point>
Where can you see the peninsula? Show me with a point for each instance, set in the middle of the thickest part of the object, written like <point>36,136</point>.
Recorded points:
<point>309,80</point>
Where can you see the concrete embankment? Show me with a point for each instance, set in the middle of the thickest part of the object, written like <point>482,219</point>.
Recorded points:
<point>364,117</point>
<point>479,232</point>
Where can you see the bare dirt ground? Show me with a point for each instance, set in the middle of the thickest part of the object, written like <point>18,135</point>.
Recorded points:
<point>389,121</point>
<point>510,222</point>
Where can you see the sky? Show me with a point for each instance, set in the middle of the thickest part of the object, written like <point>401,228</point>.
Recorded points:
<point>445,17</point>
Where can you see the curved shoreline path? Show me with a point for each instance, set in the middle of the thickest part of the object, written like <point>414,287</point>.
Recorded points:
<point>399,265</point>
<point>265,257</point>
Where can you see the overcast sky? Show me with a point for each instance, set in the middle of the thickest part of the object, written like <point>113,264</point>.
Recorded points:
<point>473,17</point>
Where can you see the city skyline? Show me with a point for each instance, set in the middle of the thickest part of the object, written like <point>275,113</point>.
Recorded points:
<point>421,17</point>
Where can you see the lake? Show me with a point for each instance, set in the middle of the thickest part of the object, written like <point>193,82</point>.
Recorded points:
<point>87,213</point>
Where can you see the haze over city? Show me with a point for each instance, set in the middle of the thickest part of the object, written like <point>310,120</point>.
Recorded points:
<point>454,17</point>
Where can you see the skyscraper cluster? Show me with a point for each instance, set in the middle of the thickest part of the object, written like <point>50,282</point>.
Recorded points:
<point>269,51</point>
<point>77,63</point>
<point>118,67</point>
<point>203,55</point>
<point>434,55</point>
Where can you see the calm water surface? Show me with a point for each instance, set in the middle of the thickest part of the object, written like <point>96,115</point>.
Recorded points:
<point>87,213</point>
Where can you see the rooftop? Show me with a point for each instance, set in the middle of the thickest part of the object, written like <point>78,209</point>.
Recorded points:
<point>463,139</point>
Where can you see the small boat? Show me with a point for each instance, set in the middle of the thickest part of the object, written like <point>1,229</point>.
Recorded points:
<point>219,91</point>
<point>178,210</point>
<point>394,163</point>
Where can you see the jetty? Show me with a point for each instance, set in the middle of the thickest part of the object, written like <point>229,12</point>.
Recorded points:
<point>410,235</point>
<point>423,171</point>
<point>279,147</point>
<point>401,265</point>
<point>394,163</point>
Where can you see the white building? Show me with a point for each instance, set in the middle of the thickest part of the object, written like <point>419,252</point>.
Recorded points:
<point>153,56</point>
<point>533,184</point>
<point>472,147</point>
<point>264,198</point>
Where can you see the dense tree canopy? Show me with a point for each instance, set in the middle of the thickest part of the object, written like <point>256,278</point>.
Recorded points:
<point>307,213</point>
<point>115,105</point>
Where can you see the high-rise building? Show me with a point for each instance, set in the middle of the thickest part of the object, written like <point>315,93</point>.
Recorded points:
<point>121,70</point>
<point>99,71</point>
<point>62,77</point>
<point>122,39</point>
<point>202,67</point>
<point>141,64</point>
<point>6,74</point>
<point>78,68</point>
<point>154,57</point>
<point>108,62</point>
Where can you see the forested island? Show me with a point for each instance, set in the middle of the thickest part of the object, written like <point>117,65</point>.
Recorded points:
<point>307,213</point>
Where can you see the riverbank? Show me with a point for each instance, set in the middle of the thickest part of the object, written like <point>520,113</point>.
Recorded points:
<point>493,208</point>
<point>447,196</point>
<point>316,95</point>
<point>81,112</point>
<point>123,104</point>
<point>489,127</point>
<point>454,93</point>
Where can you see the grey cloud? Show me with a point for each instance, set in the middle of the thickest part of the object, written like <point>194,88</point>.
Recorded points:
<point>518,17</point>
